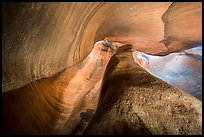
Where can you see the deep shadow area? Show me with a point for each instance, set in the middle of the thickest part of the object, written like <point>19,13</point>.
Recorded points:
<point>134,102</point>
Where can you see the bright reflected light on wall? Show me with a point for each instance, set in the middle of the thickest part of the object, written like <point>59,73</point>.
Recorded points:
<point>182,70</point>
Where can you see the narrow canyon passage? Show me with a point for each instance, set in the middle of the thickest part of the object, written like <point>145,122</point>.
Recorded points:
<point>102,68</point>
<point>134,102</point>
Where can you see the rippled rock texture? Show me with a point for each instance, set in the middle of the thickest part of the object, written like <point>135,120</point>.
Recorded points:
<point>62,104</point>
<point>40,41</point>
<point>134,102</point>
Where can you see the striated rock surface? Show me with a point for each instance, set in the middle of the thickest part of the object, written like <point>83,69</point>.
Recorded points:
<point>41,39</point>
<point>43,45</point>
<point>59,104</point>
<point>133,102</point>
<point>183,26</point>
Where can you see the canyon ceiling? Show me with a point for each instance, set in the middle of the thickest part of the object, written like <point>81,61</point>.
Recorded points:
<point>46,46</point>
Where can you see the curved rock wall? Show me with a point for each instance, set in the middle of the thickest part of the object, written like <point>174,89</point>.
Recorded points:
<point>41,39</point>
<point>182,69</point>
<point>133,102</point>
<point>183,25</point>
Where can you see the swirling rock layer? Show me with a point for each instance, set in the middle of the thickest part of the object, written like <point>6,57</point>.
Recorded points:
<point>41,39</point>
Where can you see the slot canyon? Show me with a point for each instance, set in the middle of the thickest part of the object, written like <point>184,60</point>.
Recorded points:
<point>102,68</point>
